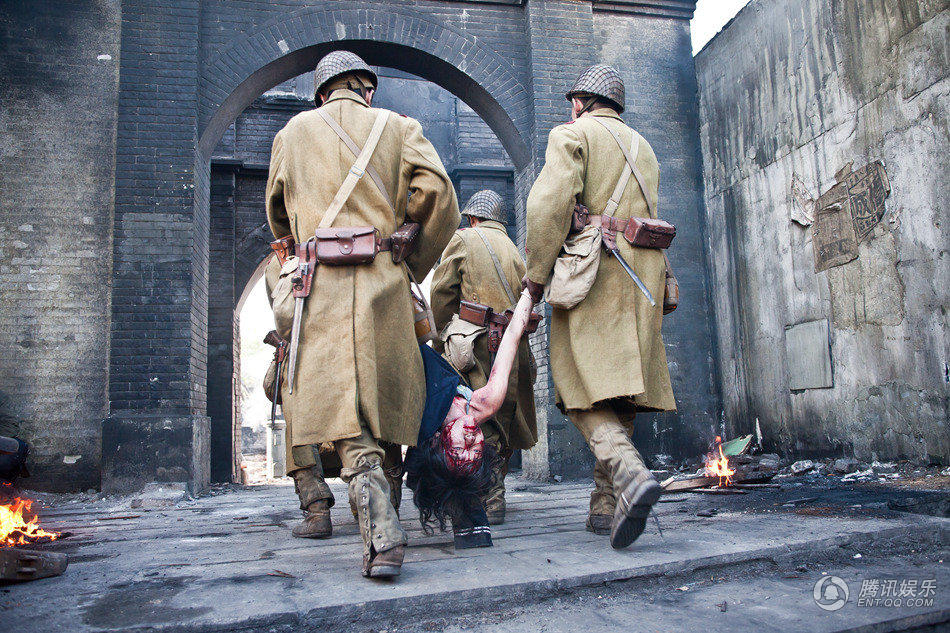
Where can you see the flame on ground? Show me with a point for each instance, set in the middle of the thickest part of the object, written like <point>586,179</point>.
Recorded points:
<point>719,466</point>
<point>19,525</point>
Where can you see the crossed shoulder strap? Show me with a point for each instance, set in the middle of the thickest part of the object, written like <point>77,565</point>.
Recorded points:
<point>498,270</point>
<point>353,147</point>
<point>357,170</point>
<point>631,158</point>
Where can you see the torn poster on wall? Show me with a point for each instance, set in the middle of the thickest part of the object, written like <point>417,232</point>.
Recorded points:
<point>847,213</point>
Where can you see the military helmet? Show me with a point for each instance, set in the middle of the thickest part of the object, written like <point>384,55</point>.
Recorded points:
<point>602,81</point>
<point>340,63</point>
<point>486,204</point>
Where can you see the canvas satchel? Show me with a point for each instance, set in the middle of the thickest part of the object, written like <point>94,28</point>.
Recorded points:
<point>282,297</point>
<point>458,339</point>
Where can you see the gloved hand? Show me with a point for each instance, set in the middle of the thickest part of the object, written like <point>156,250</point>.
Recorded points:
<point>535,290</point>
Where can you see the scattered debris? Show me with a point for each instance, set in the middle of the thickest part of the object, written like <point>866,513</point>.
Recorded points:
<point>156,496</point>
<point>709,512</point>
<point>723,606</point>
<point>20,565</point>
<point>738,446</point>
<point>770,460</point>
<point>846,465</point>
<point>888,468</point>
<point>802,466</point>
<point>280,574</point>
<point>858,475</point>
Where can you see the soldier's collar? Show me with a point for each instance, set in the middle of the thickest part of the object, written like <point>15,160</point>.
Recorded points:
<point>492,224</point>
<point>345,93</point>
<point>606,112</point>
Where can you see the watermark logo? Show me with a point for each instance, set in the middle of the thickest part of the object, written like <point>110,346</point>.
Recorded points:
<point>831,593</point>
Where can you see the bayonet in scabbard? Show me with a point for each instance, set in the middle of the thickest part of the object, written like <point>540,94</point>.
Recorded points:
<point>633,275</point>
<point>302,281</point>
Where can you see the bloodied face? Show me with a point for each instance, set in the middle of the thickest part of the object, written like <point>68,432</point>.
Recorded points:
<point>463,442</point>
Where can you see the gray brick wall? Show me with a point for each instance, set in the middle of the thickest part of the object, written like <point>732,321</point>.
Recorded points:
<point>59,69</point>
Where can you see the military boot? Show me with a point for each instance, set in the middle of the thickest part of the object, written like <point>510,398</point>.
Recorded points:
<point>384,540</point>
<point>495,499</point>
<point>636,489</point>
<point>603,501</point>
<point>315,501</point>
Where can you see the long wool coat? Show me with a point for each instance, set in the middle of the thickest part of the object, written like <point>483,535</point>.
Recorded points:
<point>467,272</point>
<point>608,346</point>
<point>358,355</point>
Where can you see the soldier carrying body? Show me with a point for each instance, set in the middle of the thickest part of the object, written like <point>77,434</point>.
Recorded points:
<point>607,356</point>
<point>341,289</point>
<point>472,287</point>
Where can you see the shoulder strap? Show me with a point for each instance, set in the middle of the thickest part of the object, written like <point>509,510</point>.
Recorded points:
<point>498,270</point>
<point>353,147</point>
<point>631,157</point>
<point>356,171</point>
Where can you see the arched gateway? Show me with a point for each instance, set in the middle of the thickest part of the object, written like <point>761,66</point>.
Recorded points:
<point>188,68</point>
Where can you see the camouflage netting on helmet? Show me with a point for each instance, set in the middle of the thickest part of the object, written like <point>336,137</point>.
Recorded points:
<point>337,64</point>
<point>486,204</point>
<point>602,81</point>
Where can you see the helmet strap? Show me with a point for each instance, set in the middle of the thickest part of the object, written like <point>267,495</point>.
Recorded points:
<point>587,106</point>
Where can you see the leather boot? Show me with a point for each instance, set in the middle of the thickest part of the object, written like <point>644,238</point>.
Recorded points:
<point>603,501</point>
<point>316,522</point>
<point>377,520</point>
<point>386,564</point>
<point>637,491</point>
<point>315,501</point>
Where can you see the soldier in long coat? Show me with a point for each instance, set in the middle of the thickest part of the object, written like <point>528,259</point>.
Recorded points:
<point>467,272</point>
<point>360,378</point>
<point>607,356</point>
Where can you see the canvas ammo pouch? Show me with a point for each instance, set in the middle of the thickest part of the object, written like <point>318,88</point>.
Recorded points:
<point>458,340</point>
<point>282,295</point>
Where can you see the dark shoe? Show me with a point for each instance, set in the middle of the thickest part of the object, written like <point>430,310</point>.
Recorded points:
<point>599,523</point>
<point>386,564</point>
<point>633,508</point>
<point>316,522</point>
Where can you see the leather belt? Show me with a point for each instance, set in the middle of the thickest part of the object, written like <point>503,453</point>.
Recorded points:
<point>384,244</point>
<point>609,222</point>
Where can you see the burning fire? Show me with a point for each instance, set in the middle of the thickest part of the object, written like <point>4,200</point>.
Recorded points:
<point>18,524</point>
<point>719,466</point>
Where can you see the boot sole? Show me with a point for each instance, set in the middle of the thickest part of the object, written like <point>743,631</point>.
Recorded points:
<point>631,524</point>
<point>384,571</point>
<point>314,536</point>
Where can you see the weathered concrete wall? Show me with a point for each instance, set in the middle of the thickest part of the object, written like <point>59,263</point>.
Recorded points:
<point>790,93</point>
<point>58,90</point>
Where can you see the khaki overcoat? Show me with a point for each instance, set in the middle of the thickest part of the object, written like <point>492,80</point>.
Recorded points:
<point>609,346</point>
<point>358,356</point>
<point>467,272</point>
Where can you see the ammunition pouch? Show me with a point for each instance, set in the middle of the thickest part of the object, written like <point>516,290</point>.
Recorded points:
<point>404,241</point>
<point>641,232</point>
<point>347,246</point>
<point>352,246</point>
<point>485,316</point>
<point>283,248</point>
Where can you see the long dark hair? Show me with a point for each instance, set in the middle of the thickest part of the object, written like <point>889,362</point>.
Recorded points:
<point>437,492</point>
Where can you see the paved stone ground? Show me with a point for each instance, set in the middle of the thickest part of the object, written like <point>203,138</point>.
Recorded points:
<point>227,562</point>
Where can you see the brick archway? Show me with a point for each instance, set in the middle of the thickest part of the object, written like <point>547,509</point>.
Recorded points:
<point>290,45</point>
